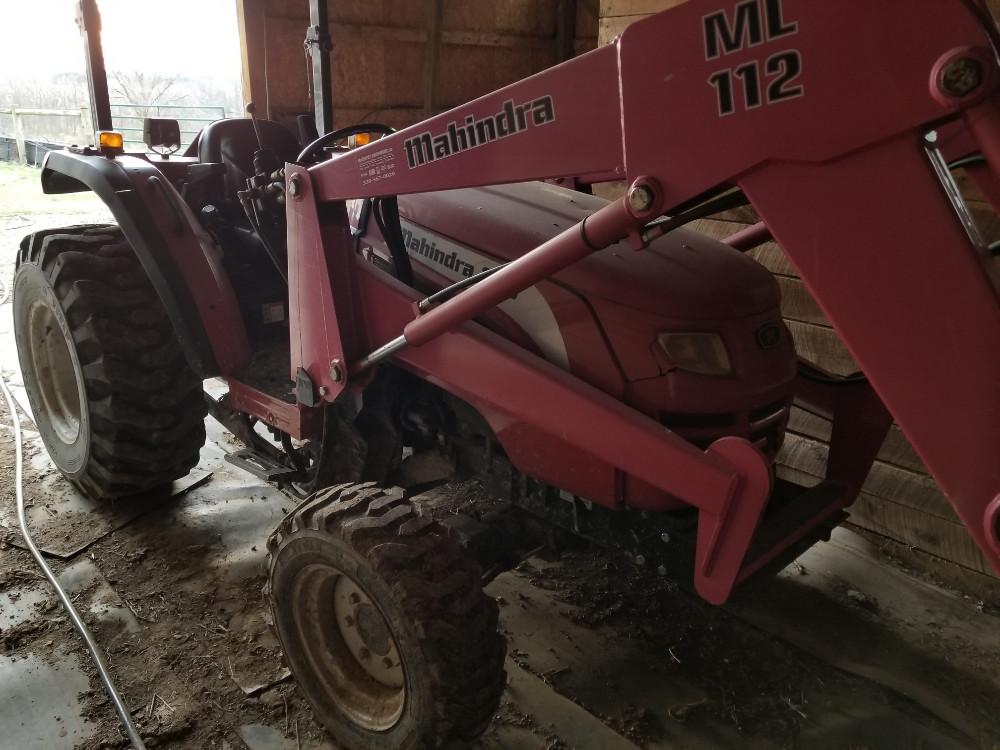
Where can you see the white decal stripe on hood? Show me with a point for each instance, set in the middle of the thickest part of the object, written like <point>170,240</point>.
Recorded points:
<point>529,309</point>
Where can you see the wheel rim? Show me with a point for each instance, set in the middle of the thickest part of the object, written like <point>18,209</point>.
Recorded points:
<point>55,373</point>
<point>349,647</point>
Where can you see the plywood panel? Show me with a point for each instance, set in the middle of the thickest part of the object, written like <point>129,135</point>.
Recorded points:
<point>287,9</point>
<point>886,481</point>
<point>913,528</point>
<point>396,117</point>
<point>359,69</point>
<point>609,28</point>
<point>616,15</point>
<point>250,20</point>
<point>635,7</point>
<point>587,14</point>
<point>469,72</point>
<point>524,17</point>
<point>895,450</point>
<point>769,255</point>
<point>823,346</point>
<point>798,304</point>
<point>950,541</point>
<point>379,52</point>
<point>287,85</point>
<point>401,13</point>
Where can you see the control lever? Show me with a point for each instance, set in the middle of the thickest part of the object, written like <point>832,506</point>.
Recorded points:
<point>252,111</point>
<point>265,161</point>
<point>265,190</point>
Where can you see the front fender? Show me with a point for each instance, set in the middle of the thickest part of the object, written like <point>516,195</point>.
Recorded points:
<point>180,258</point>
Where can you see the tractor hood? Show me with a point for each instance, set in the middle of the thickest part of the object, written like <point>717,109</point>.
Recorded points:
<point>685,275</point>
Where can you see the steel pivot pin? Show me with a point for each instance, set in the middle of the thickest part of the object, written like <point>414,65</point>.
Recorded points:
<point>640,198</point>
<point>961,77</point>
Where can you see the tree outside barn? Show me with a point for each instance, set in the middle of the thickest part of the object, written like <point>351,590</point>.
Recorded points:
<point>43,88</point>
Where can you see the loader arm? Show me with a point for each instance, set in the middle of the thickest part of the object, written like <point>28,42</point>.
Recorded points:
<point>832,150</point>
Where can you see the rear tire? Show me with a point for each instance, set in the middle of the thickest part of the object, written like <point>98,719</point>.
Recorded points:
<point>383,622</point>
<point>116,403</point>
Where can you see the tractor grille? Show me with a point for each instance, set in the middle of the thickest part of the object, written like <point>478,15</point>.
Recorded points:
<point>763,425</point>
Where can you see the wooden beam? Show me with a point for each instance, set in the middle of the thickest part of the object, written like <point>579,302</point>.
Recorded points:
<point>565,29</point>
<point>491,39</point>
<point>432,55</point>
<point>252,30</point>
<point>946,539</point>
<point>896,449</point>
<point>885,481</point>
<point>635,7</point>
<point>410,35</point>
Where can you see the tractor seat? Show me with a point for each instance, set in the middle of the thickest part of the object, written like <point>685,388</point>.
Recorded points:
<point>233,143</point>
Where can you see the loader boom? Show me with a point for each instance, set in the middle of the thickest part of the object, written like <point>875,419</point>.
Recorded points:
<point>835,153</point>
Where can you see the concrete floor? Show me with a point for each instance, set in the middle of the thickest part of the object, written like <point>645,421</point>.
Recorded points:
<point>842,650</point>
<point>866,656</point>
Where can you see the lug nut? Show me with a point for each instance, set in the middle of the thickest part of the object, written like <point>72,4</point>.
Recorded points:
<point>640,198</point>
<point>961,77</point>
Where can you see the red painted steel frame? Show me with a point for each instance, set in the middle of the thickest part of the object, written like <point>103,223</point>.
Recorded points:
<point>833,158</point>
<point>299,421</point>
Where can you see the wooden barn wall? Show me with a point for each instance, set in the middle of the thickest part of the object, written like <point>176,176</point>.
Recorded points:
<point>900,501</point>
<point>382,64</point>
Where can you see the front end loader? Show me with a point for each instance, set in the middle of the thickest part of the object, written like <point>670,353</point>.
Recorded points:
<point>391,310</point>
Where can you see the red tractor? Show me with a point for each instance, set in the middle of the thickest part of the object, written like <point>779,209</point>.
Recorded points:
<point>601,368</point>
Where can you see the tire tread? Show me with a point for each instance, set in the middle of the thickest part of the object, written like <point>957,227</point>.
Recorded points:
<point>437,585</point>
<point>146,404</point>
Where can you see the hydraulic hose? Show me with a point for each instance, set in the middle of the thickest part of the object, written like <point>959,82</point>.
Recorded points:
<point>95,650</point>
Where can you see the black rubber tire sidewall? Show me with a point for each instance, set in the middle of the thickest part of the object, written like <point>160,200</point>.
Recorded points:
<point>309,547</point>
<point>31,287</point>
<point>144,406</point>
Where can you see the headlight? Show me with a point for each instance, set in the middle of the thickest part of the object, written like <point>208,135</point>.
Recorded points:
<point>703,353</point>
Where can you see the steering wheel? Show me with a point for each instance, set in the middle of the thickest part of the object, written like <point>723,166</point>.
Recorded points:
<point>362,127</point>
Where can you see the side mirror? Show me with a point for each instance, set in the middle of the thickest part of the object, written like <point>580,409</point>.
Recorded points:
<point>161,135</point>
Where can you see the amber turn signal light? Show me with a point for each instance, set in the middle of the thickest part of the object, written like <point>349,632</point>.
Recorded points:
<point>110,142</point>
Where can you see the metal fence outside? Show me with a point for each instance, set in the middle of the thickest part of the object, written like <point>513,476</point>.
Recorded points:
<point>33,154</point>
<point>128,119</point>
<point>32,129</point>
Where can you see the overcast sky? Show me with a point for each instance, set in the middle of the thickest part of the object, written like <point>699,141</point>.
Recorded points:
<point>40,38</point>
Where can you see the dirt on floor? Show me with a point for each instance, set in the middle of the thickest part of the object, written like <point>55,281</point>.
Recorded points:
<point>199,632</point>
<point>196,633</point>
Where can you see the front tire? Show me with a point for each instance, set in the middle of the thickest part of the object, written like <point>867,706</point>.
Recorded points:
<point>117,405</point>
<point>383,622</point>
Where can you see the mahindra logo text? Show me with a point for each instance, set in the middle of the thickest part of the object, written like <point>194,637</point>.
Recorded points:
<point>458,137</point>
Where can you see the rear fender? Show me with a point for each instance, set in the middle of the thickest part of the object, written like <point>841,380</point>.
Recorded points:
<point>181,260</point>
